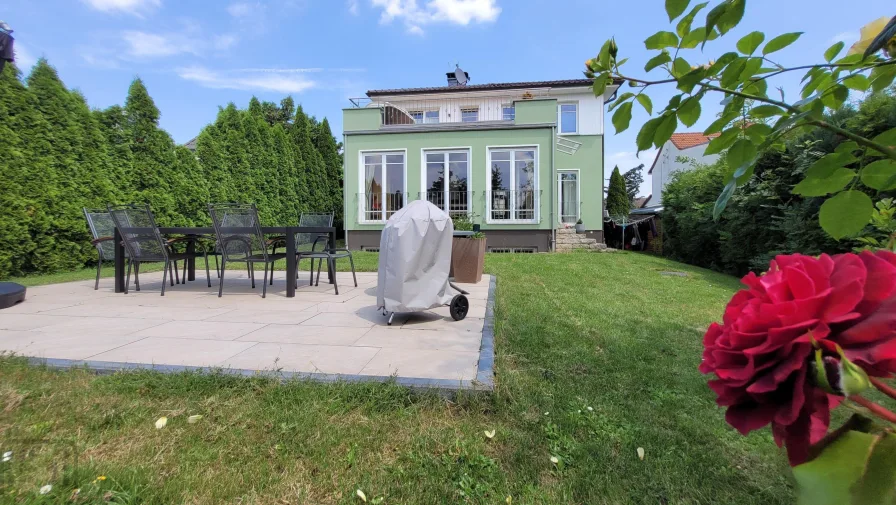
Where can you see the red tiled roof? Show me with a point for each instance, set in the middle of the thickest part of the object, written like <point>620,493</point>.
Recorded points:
<point>685,140</point>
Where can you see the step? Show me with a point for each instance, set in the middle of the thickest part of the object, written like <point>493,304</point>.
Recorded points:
<point>588,247</point>
<point>566,239</point>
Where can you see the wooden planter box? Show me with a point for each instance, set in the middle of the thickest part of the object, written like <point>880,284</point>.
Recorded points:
<point>467,259</point>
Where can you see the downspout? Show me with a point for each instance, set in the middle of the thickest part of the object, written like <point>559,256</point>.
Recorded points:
<point>551,190</point>
<point>344,195</point>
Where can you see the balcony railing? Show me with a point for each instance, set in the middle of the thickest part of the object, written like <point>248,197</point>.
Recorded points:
<point>455,203</point>
<point>444,110</point>
<point>513,205</point>
<point>379,206</point>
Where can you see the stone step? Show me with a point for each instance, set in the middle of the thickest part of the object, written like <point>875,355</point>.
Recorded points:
<point>588,247</point>
<point>566,231</point>
<point>566,239</point>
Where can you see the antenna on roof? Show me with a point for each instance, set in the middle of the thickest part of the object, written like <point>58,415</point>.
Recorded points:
<point>460,75</point>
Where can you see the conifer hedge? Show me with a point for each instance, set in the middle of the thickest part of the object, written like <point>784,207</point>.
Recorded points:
<point>58,156</point>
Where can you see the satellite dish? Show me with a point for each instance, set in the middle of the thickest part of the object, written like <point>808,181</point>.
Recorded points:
<point>460,75</point>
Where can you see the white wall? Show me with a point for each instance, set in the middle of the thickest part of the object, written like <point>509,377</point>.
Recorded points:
<point>449,105</point>
<point>666,165</point>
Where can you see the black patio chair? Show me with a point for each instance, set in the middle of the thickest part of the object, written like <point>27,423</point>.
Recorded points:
<point>240,239</point>
<point>335,254</point>
<point>102,228</point>
<point>144,243</point>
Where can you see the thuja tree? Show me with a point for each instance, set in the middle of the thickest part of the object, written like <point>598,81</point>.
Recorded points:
<point>618,203</point>
<point>757,116</point>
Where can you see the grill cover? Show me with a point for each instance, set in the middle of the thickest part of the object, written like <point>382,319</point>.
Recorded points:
<point>415,256</point>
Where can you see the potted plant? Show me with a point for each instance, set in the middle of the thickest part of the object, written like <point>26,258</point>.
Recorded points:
<point>468,257</point>
<point>580,227</point>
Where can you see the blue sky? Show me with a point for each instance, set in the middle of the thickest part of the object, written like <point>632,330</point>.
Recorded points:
<point>195,56</point>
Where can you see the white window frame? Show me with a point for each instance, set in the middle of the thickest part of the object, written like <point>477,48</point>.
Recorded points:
<point>488,183</point>
<point>424,114</point>
<point>578,193</point>
<point>362,203</point>
<point>560,118</point>
<point>447,150</point>
<point>510,106</point>
<point>469,108</point>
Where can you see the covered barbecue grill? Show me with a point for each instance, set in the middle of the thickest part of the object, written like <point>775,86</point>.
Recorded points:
<point>415,258</point>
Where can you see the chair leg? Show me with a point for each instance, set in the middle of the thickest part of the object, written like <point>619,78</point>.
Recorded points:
<point>166,271</point>
<point>272,272</point>
<point>208,275</point>
<point>137,275</point>
<point>251,267</point>
<point>352,261</point>
<point>319,263</point>
<point>127,279</point>
<point>217,267</point>
<point>221,277</point>
<point>99,267</point>
<point>331,263</point>
<point>172,273</point>
<point>183,276</point>
<point>264,283</point>
<point>311,273</point>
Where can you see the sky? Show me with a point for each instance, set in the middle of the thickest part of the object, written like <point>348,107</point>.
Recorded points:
<point>197,56</point>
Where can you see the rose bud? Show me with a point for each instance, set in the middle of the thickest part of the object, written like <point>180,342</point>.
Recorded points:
<point>839,376</point>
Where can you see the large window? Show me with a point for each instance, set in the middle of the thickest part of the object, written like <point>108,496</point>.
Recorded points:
<point>513,194</point>
<point>569,118</point>
<point>508,112</point>
<point>448,192</point>
<point>469,114</point>
<point>425,116</point>
<point>384,185</point>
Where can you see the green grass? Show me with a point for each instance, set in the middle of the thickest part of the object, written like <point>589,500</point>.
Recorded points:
<point>573,331</point>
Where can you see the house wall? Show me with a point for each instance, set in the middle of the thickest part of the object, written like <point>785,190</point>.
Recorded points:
<point>534,125</point>
<point>666,165</point>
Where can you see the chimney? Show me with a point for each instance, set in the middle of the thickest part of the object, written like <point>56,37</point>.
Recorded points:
<point>452,79</point>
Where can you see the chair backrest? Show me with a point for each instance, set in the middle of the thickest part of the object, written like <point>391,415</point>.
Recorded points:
<point>238,230</point>
<point>307,239</point>
<point>139,232</point>
<point>102,225</point>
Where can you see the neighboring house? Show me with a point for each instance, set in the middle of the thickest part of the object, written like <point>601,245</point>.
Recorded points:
<point>640,202</point>
<point>519,158</point>
<point>688,145</point>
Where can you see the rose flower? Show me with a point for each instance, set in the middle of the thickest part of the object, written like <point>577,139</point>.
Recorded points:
<point>762,354</point>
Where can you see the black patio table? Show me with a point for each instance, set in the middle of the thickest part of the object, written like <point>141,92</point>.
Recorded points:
<point>289,231</point>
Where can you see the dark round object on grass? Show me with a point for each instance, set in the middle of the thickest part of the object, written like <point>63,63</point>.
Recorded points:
<point>11,294</point>
<point>459,307</point>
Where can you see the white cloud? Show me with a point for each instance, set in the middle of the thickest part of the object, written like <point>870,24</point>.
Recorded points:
<point>462,12</point>
<point>156,45</point>
<point>353,7</point>
<point>847,37</point>
<point>276,70</point>
<point>250,81</point>
<point>240,9</point>
<point>133,7</point>
<point>23,58</point>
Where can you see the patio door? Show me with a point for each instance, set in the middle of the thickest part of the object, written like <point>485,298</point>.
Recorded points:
<point>568,195</point>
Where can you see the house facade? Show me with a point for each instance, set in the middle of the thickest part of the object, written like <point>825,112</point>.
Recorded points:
<point>520,159</point>
<point>669,160</point>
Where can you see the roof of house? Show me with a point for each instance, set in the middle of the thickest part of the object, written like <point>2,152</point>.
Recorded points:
<point>191,144</point>
<point>685,140</point>
<point>567,83</point>
<point>641,201</point>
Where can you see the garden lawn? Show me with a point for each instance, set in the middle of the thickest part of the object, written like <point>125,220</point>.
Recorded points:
<point>596,354</point>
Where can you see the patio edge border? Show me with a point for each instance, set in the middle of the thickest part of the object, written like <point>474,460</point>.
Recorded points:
<point>485,372</point>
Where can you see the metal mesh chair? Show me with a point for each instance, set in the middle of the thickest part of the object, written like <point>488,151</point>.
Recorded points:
<point>102,228</point>
<point>240,239</point>
<point>144,243</point>
<point>304,240</point>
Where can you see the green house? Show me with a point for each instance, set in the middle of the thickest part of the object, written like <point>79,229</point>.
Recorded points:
<point>522,159</point>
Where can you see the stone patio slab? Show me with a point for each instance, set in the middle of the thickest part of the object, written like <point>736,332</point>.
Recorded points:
<point>317,334</point>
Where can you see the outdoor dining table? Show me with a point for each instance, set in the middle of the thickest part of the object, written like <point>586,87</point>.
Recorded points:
<point>288,231</point>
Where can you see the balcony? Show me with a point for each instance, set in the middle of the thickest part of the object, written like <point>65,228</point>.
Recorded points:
<point>403,112</point>
<point>455,203</point>
<point>379,207</point>
<point>506,205</point>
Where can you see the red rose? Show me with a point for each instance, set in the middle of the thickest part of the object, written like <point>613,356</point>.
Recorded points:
<point>761,352</point>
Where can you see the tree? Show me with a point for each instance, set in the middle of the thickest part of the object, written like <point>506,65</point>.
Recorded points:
<point>633,180</point>
<point>618,203</point>
<point>326,145</point>
<point>747,75</point>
